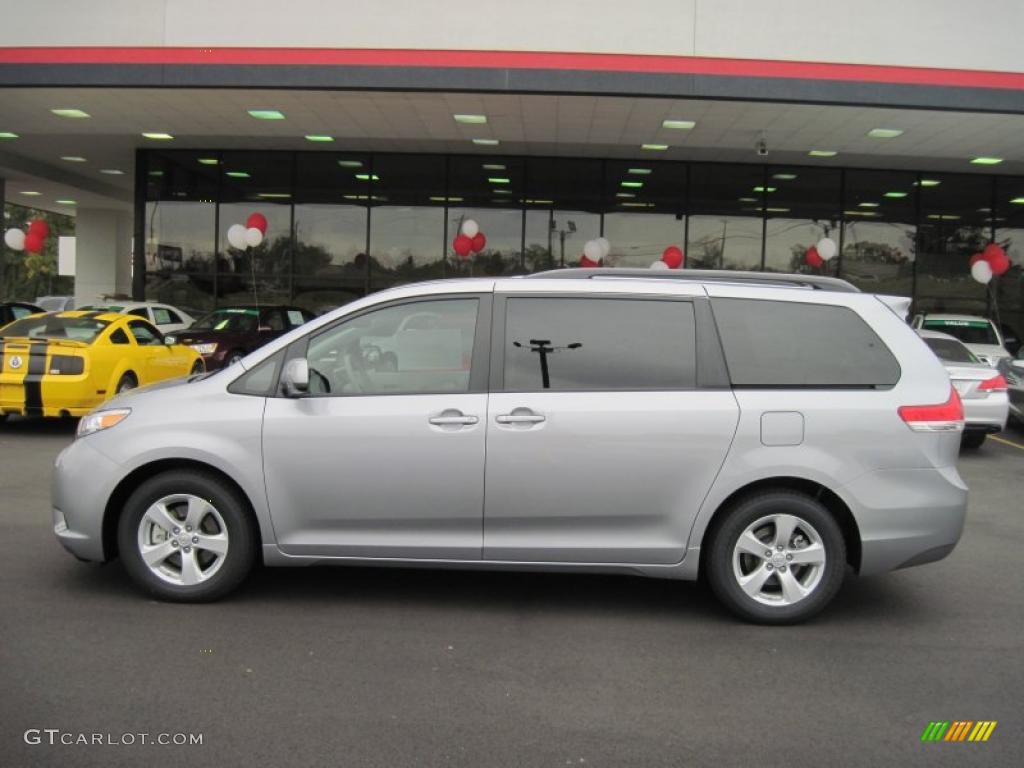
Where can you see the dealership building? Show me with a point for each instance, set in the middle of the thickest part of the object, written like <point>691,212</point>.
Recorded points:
<point>365,134</point>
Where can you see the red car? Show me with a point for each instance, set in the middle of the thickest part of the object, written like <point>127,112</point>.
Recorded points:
<point>230,333</point>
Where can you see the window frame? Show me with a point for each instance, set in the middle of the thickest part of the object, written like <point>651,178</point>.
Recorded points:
<point>158,335</point>
<point>479,362</point>
<point>709,363</point>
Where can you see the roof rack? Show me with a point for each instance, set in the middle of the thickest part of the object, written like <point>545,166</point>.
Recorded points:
<point>779,280</point>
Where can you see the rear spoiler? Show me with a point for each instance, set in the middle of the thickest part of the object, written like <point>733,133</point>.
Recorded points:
<point>898,304</point>
<point>55,342</point>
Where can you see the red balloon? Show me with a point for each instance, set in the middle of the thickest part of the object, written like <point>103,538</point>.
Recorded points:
<point>478,242</point>
<point>587,263</point>
<point>462,245</point>
<point>996,258</point>
<point>34,242</point>
<point>813,259</point>
<point>975,259</point>
<point>673,256</point>
<point>258,221</point>
<point>40,227</point>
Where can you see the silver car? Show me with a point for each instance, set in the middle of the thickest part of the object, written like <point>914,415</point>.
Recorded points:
<point>765,432</point>
<point>1013,371</point>
<point>981,387</point>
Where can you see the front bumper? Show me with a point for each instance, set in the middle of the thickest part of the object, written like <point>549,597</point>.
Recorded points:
<point>907,516</point>
<point>83,481</point>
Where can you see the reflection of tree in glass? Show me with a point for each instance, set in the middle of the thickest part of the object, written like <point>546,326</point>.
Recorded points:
<point>543,348</point>
<point>27,275</point>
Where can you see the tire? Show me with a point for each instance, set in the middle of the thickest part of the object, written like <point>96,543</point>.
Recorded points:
<point>756,516</point>
<point>972,441</point>
<point>222,523</point>
<point>197,367</point>
<point>233,358</point>
<point>126,382</point>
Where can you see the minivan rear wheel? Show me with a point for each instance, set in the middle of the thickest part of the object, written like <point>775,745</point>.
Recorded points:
<point>777,558</point>
<point>186,536</point>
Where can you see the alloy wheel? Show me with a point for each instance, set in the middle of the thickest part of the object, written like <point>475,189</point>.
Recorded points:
<point>183,539</point>
<point>778,560</point>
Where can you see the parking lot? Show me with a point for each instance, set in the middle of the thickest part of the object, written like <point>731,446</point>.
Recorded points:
<point>375,667</point>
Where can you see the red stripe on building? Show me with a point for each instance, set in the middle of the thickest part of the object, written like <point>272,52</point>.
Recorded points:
<point>595,62</point>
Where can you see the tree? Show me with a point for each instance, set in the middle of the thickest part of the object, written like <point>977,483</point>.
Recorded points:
<point>27,275</point>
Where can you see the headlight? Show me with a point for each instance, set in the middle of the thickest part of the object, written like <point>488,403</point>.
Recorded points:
<point>205,349</point>
<point>100,420</point>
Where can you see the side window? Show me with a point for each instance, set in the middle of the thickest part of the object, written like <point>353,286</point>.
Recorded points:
<point>791,344</point>
<point>295,317</point>
<point>260,379</point>
<point>272,319</point>
<point>119,337</point>
<point>163,316</point>
<point>20,312</point>
<point>420,347</point>
<point>139,312</point>
<point>145,334</point>
<point>573,344</point>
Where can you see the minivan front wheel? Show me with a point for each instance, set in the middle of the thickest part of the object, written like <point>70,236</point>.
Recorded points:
<point>777,558</point>
<point>186,536</point>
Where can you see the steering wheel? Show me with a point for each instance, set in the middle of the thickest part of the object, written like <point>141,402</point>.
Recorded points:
<point>357,375</point>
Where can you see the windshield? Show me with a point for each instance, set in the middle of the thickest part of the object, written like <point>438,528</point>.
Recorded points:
<point>968,331</point>
<point>228,321</point>
<point>101,308</point>
<point>951,351</point>
<point>52,327</point>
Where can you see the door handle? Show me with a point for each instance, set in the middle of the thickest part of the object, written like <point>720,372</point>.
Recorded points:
<point>453,420</point>
<point>519,418</point>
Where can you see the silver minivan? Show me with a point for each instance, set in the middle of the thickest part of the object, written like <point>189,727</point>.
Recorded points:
<point>767,433</point>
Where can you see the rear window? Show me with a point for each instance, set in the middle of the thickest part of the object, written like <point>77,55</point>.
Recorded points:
<point>53,327</point>
<point>968,331</point>
<point>791,344</point>
<point>951,351</point>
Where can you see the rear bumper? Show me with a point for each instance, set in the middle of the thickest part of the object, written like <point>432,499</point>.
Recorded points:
<point>60,395</point>
<point>907,517</point>
<point>986,413</point>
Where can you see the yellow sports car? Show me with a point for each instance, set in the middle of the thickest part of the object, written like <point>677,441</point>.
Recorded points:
<point>67,363</point>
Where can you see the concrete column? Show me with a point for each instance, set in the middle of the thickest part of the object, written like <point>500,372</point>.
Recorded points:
<point>103,254</point>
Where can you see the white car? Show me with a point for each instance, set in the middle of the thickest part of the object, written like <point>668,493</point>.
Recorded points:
<point>979,334</point>
<point>163,316</point>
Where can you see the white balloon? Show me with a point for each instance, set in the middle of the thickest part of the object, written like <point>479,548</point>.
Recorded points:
<point>826,248</point>
<point>592,250</point>
<point>606,246</point>
<point>236,236</point>
<point>470,228</point>
<point>15,239</point>
<point>659,264</point>
<point>253,237</point>
<point>981,271</point>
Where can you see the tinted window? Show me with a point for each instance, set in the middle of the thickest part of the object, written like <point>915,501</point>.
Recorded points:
<point>272,319</point>
<point>56,327</point>
<point>228,320</point>
<point>118,336</point>
<point>599,344</point>
<point>20,312</point>
<point>968,331</point>
<point>164,316</point>
<point>421,347</point>
<point>789,344</point>
<point>139,311</point>
<point>950,351</point>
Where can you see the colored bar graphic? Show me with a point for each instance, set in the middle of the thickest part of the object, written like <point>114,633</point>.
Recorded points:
<point>934,731</point>
<point>959,730</point>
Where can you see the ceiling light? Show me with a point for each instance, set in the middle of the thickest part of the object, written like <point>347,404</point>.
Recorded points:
<point>637,205</point>
<point>112,171</point>
<point>884,133</point>
<point>273,195</point>
<point>895,194</point>
<point>157,136</point>
<point>470,119</point>
<point>987,160</point>
<point>763,189</point>
<point>859,213</point>
<point>314,137</point>
<point>777,210</point>
<point>237,174</point>
<point>632,184</point>
<point>822,153</point>
<point>266,114</point>
<point>927,183</point>
<point>367,177</point>
<point>493,167</point>
<point>66,202</point>
<point>502,191</point>
<point>749,200</point>
<point>678,125</point>
<point>350,163</point>
<point>443,199</point>
<point>943,216</point>
<point>867,205</point>
<point>498,180</point>
<point>8,135</point>
<point>541,202</point>
<point>639,171</point>
<point>624,194</point>
<point>156,173</point>
<point>208,161</point>
<point>784,176</point>
<point>73,158</point>
<point>76,113</point>
<point>486,142</point>
<point>31,193</point>
<point>1017,200</point>
<point>654,147</point>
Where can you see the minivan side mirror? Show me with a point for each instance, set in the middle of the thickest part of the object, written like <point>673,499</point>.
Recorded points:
<point>295,377</point>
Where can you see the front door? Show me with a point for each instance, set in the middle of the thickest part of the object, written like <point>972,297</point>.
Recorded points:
<point>600,444</point>
<point>385,456</point>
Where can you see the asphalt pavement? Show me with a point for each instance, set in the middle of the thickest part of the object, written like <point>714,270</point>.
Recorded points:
<point>388,667</point>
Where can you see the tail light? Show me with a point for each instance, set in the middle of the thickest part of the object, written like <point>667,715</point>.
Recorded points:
<point>944,417</point>
<point>996,384</point>
<point>67,364</point>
